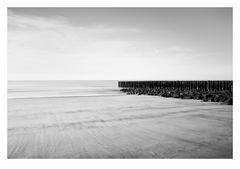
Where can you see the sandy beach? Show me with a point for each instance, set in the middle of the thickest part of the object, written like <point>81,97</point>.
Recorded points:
<point>121,126</point>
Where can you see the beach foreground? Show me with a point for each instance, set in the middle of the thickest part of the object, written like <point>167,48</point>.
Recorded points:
<point>121,126</point>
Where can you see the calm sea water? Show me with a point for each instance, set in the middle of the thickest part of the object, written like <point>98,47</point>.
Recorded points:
<point>65,88</point>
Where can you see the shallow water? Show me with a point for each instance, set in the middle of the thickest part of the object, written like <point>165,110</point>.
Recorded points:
<point>83,120</point>
<point>61,88</point>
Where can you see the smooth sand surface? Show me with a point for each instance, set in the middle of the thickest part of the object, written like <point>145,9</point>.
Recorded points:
<point>126,126</point>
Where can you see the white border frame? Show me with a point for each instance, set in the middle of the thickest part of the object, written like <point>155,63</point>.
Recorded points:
<point>118,163</point>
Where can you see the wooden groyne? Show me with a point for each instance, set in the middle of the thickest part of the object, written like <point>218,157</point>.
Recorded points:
<point>214,91</point>
<point>190,85</point>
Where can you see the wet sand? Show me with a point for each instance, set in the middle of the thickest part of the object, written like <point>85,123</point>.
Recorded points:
<point>125,126</point>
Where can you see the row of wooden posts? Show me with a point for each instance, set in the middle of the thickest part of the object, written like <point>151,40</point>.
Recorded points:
<point>190,85</point>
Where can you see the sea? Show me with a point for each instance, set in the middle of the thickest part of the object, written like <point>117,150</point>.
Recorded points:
<point>94,119</point>
<point>62,88</point>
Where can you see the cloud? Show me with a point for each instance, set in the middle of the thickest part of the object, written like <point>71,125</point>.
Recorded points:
<point>26,23</point>
<point>54,44</point>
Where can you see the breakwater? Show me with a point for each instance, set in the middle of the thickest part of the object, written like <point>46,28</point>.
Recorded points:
<point>215,91</point>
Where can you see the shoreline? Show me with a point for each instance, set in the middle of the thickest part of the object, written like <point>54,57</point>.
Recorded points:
<point>206,96</point>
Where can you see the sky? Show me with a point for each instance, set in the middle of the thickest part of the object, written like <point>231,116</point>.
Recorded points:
<point>120,44</point>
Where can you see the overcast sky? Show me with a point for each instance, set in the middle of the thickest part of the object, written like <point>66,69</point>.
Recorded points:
<point>120,43</point>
